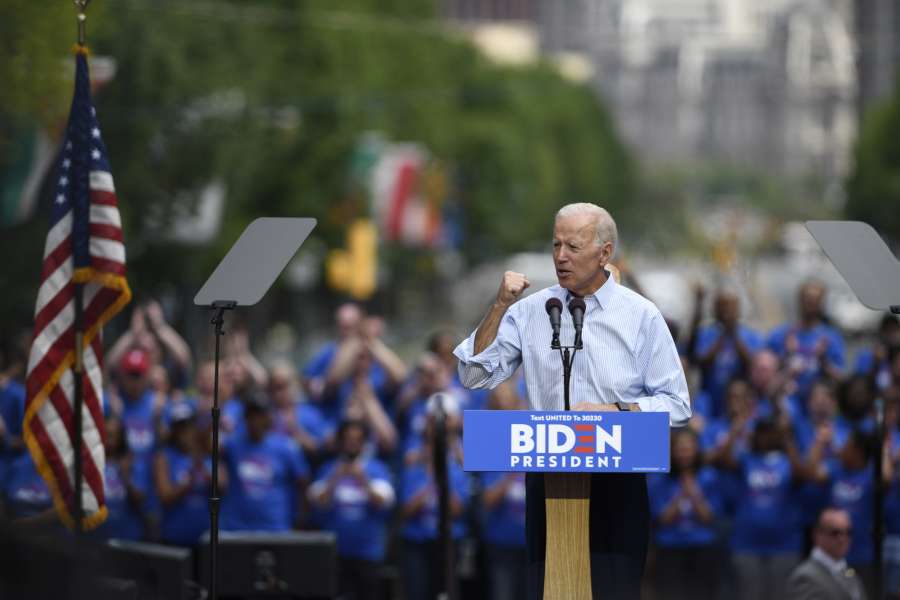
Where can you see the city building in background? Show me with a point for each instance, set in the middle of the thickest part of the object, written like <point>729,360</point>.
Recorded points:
<point>878,52</point>
<point>765,83</point>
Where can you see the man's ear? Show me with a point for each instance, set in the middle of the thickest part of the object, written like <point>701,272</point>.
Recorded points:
<point>606,252</point>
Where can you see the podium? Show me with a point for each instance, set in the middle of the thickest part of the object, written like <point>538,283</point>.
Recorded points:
<point>567,447</point>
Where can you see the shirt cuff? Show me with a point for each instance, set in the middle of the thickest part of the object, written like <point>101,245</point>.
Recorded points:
<point>488,358</point>
<point>654,404</point>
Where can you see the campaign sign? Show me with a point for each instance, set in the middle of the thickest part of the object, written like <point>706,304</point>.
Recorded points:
<point>565,441</point>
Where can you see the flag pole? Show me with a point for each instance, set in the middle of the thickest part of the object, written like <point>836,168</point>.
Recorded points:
<point>81,6</point>
<point>78,399</point>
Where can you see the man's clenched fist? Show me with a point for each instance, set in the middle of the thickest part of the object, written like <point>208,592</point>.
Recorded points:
<point>511,288</point>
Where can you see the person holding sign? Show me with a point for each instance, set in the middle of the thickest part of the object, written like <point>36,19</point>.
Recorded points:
<point>629,362</point>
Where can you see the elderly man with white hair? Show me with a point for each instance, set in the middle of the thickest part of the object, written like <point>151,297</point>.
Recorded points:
<point>629,362</point>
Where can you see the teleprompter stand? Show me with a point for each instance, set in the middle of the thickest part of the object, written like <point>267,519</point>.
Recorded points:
<point>873,273</point>
<point>242,279</point>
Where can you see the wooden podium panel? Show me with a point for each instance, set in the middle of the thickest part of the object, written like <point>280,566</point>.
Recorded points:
<point>567,571</point>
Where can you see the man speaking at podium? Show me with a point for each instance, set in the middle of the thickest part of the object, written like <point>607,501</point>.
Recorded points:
<point>629,362</point>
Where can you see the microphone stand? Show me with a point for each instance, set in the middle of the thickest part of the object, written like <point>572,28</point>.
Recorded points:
<point>568,359</point>
<point>218,320</point>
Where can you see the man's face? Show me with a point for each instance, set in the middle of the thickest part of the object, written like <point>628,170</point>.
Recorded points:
<point>727,308</point>
<point>832,534</point>
<point>282,388</point>
<point>812,297</point>
<point>433,375</point>
<point>258,423</point>
<point>347,319</point>
<point>134,383</point>
<point>578,259</point>
<point>352,442</point>
<point>763,370</point>
<point>820,404</point>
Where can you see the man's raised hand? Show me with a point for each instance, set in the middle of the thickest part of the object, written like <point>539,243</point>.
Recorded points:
<point>511,288</point>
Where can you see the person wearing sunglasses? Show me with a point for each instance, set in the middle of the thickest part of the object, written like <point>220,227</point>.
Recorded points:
<point>825,573</point>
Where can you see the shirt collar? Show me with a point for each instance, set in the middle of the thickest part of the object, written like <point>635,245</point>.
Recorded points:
<point>838,567</point>
<point>603,296</point>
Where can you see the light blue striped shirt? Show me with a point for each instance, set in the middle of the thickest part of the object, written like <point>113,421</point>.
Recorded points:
<point>628,356</point>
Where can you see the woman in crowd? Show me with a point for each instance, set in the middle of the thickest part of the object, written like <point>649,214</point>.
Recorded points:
<point>422,570</point>
<point>850,484</point>
<point>685,505</point>
<point>125,494</point>
<point>503,512</point>
<point>182,472</point>
<point>767,536</point>
<point>353,497</point>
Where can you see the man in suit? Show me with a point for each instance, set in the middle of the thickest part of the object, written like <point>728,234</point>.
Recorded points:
<point>825,574</point>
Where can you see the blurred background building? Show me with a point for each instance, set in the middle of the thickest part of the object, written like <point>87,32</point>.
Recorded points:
<point>769,83</point>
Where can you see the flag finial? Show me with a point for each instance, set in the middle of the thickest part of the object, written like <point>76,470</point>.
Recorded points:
<point>81,6</point>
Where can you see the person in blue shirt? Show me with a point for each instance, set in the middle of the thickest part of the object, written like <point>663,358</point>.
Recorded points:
<point>141,410</point>
<point>422,570</point>
<point>730,434</point>
<point>820,412</point>
<point>150,333</point>
<point>818,437</point>
<point>874,361</point>
<point>138,407</point>
<point>27,502</point>
<point>347,320</point>
<point>359,351</point>
<point>293,416</point>
<point>125,496</point>
<point>12,413</point>
<point>725,349</point>
<point>685,505</point>
<point>892,496</point>
<point>810,347</point>
<point>267,474</point>
<point>503,514</point>
<point>851,482</point>
<point>773,388</point>
<point>353,497</point>
<point>856,399</point>
<point>767,536</point>
<point>431,377</point>
<point>182,472</point>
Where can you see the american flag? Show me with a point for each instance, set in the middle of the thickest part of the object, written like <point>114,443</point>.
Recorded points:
<point>84,245</point>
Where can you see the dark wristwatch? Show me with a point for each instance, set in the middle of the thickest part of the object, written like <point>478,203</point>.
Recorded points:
<point>623,406</point>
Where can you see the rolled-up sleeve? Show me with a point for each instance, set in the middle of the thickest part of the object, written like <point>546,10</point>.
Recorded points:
<point>664,383</point>
<point>495,363</point>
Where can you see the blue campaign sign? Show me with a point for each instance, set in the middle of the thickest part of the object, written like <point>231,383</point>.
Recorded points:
<point>538,441</point>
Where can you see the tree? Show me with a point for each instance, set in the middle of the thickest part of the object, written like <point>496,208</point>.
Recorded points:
<point>874,185</point>
<point>271,98</point>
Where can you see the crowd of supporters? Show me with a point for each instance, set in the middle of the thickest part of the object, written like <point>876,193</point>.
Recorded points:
<point>783,426</point>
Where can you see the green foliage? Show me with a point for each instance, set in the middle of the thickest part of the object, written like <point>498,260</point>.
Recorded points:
<point>34,37</point>
<point>874,185</point>
<point>271,97</point>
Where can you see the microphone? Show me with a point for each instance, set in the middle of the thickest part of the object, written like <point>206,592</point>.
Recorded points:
<point>554,309</point>
<point>576,307</point>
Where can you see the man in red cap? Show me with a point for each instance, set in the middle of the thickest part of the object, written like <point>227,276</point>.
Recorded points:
<point>137,409</point>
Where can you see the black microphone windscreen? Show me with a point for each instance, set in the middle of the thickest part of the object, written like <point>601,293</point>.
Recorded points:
<point>576,304</point>
<point>553,303</point>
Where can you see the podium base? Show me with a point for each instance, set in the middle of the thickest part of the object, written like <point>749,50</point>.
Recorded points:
<point>567,571</point>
